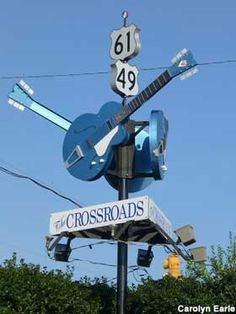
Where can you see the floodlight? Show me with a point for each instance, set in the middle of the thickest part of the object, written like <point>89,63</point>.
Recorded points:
<point>62,251</point>
<point>145,257</point>
<point>198,254</point>
<point>186,235</point>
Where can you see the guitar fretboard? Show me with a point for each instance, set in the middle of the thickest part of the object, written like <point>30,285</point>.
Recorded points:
<point>141,98</point>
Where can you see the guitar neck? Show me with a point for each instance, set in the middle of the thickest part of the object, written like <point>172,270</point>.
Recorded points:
<point>21,97</point>
<point>50,115</point>
<point>142,97</point>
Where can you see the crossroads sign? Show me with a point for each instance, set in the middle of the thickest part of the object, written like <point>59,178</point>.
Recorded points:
<point>141,210</point>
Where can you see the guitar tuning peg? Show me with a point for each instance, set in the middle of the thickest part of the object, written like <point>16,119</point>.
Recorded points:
<point>26,87</point>
<point>20,107</point>
<point>22,83</point>
<point>16,104</point>
<point>173,60</point>
<point>11,101</point>
<point>176,58</point>
<point>183,51</point>
<point>188,74</point>
<point>179,55</point>
<point>30,91</point>
<point>164,168</point>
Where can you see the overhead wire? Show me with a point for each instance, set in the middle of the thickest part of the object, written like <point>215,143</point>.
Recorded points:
<point>91,262</point>
<point>97,263</point>
<point>132,271</point>
<point>20,176</point>
<point>93,244</point>
<point>94,73</point>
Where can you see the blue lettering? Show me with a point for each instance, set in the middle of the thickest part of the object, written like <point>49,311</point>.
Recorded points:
<point>107,213</point>
<point>132,209</point>
<point>92,217</point>
<point>100,215</point>
<point>122,212</point>
<point>78,219</point>
<point>115,207</point>
<point>140,208</point>
<point>67,221</point>
<point>85,215</point>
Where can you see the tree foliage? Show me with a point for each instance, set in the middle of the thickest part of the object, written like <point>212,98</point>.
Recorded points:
<point>26,288</point>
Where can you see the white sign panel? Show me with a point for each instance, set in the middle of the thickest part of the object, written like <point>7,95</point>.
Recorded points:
<point>124,79</point>
<point>99,215</point>
<point>159,218</point>
<point>125,43</point>
<point>108,214</point>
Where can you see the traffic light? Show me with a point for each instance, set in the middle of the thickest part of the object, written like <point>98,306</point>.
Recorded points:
<point>172,263</point>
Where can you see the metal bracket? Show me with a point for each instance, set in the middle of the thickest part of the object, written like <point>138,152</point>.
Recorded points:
<point>121,230</point>
<point>52,242</point>
<point>125,154</point>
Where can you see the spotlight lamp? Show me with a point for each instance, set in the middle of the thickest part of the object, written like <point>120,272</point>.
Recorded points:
<point>198,254</point>
<point>62,251</point>
<point>145,257</point>
<point>185,235</point>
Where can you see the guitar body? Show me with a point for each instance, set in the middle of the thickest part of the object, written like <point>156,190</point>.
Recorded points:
<point>94,158</point>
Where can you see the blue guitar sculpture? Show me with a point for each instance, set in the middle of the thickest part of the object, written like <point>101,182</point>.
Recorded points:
<point>89,141</point>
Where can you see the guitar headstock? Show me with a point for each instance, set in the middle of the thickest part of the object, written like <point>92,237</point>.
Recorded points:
<point>183,62</point>
<point>20,96</point>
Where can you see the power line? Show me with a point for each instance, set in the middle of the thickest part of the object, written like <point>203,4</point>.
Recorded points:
<point>114,243</point>
<point>39,76</point>
<point>217,62</point>
<point>93,244</point>
<point>53,75</point>
<point>91,262</point>
<point>132,271</point>
<point>98,263</point>
<point>17,175</point>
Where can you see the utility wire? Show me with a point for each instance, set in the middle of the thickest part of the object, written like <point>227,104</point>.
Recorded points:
<point>104,72</point>
<point>17,175</point>
<point>132,271</point>
<point>93,244</point>
<point>98,263</point>
<point>112,243</point>
<point>91,262</point>
<point>53,75</point>
<point>217,62</point>
<point>85,260</point>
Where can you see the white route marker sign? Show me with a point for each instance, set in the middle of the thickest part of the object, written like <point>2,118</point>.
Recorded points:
<point>124,79</point>
<point>125,43</point>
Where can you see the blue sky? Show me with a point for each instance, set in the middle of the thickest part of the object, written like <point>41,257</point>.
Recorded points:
<point>51,37</point>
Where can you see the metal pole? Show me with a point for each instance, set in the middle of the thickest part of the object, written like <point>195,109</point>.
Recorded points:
<point>122,259</point>
<point>122,248</point>
<point>124,161</point>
